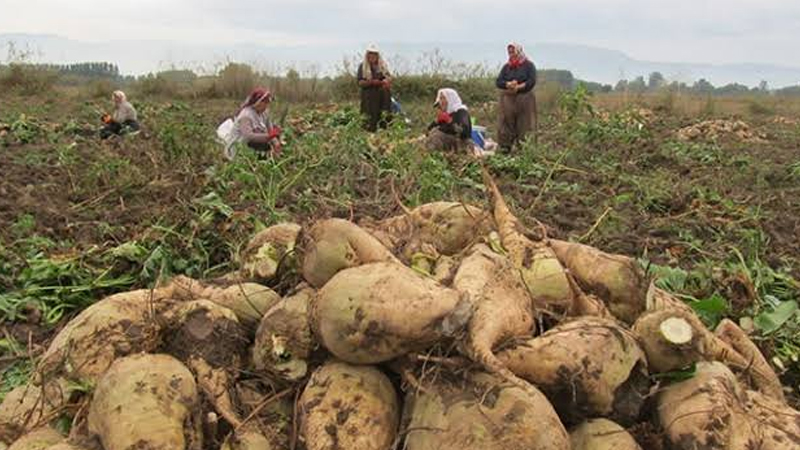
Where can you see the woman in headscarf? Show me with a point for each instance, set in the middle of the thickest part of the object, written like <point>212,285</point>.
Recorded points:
<point>253,126</point>
<point>517,104</point>
<point>452,128</point>
<point>122,120</point>
<point>375,82</point>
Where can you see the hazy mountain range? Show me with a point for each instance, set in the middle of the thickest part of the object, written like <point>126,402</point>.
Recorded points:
<point>136,57</point>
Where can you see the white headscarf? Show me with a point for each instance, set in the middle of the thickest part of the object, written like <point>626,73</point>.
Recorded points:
<point>454,102</point>
<point>366,68</point>
<point>119,96</point>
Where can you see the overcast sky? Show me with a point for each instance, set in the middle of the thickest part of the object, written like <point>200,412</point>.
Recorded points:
<point>715,31</point>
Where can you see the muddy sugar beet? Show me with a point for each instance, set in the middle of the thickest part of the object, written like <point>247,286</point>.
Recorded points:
<point>269,251</point>
<point>713,411</point>
<point>444,228</point>
<point>588,367</point>
<point>377,312</point>
<point>284,340</point>
<point>616,279</point>
<point>501,306</point>
<point>346,406</point>
<point>482,412</point>
<point>335,244</point>
<point>146,401</point>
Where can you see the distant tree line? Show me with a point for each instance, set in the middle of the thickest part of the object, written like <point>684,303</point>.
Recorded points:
<point>90,70</point>
<point>656,81</point>
<point>236,78</point>
<point>566,80</point>
<point>87,69</point>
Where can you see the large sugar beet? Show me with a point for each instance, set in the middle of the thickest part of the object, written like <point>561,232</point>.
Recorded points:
<point>712,412</point>
<point>284,340</point>
<point>146,401</point>
<point>379,311</point>
<point>116,326</point>
<point>485,413</point>
<point>249,301</point>
<point>335,244</point>
<point>601,434</point>
<point>39,439</point>
<point>267,251</point>
<point>30,406</point>
<point>346,406</point>
<point>502,306</point>
<point>674,337</point>
<point>588,367</point>
<point>616,279</point>
<point>446,227</point>
<point>765,380</point>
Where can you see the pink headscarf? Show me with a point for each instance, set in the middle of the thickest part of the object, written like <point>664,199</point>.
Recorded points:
<point>256,95</point>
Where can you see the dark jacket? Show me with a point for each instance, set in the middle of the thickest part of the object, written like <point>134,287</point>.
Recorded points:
<point>460,126</point>
<point>375,76</point>
<point>526,73</point>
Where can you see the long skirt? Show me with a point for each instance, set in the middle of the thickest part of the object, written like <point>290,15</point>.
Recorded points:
<point>376,106</point>
<point>118,129</point>
<point>517,118</point>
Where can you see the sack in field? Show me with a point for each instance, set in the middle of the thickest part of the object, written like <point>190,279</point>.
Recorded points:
<point>227,137</point>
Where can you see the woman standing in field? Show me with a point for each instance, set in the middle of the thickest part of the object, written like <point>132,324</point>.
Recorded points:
<point>122,120</point>
<point>452,128</point>
<point>375,82</point>
<point>517,106</point>
<point>253,126</point>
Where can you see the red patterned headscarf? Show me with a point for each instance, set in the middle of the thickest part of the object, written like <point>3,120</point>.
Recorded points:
<point>519,59</point>
<point>256,95</point>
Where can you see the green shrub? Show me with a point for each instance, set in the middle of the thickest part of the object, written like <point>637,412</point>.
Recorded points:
<point>28,79</point>
<point>234,80</point>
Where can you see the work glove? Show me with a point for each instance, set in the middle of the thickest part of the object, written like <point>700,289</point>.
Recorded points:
<point>443,118</point>
<point>274,132</point>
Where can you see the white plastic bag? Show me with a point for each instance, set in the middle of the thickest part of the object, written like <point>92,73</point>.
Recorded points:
<point>227,137</point>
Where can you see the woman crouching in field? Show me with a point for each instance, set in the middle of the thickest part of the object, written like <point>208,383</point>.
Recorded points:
<point>452,129</point>
<point>253,126</point>
<point>123,120</point>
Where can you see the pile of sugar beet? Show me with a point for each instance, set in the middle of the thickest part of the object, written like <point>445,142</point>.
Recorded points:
<point>449,326</point>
